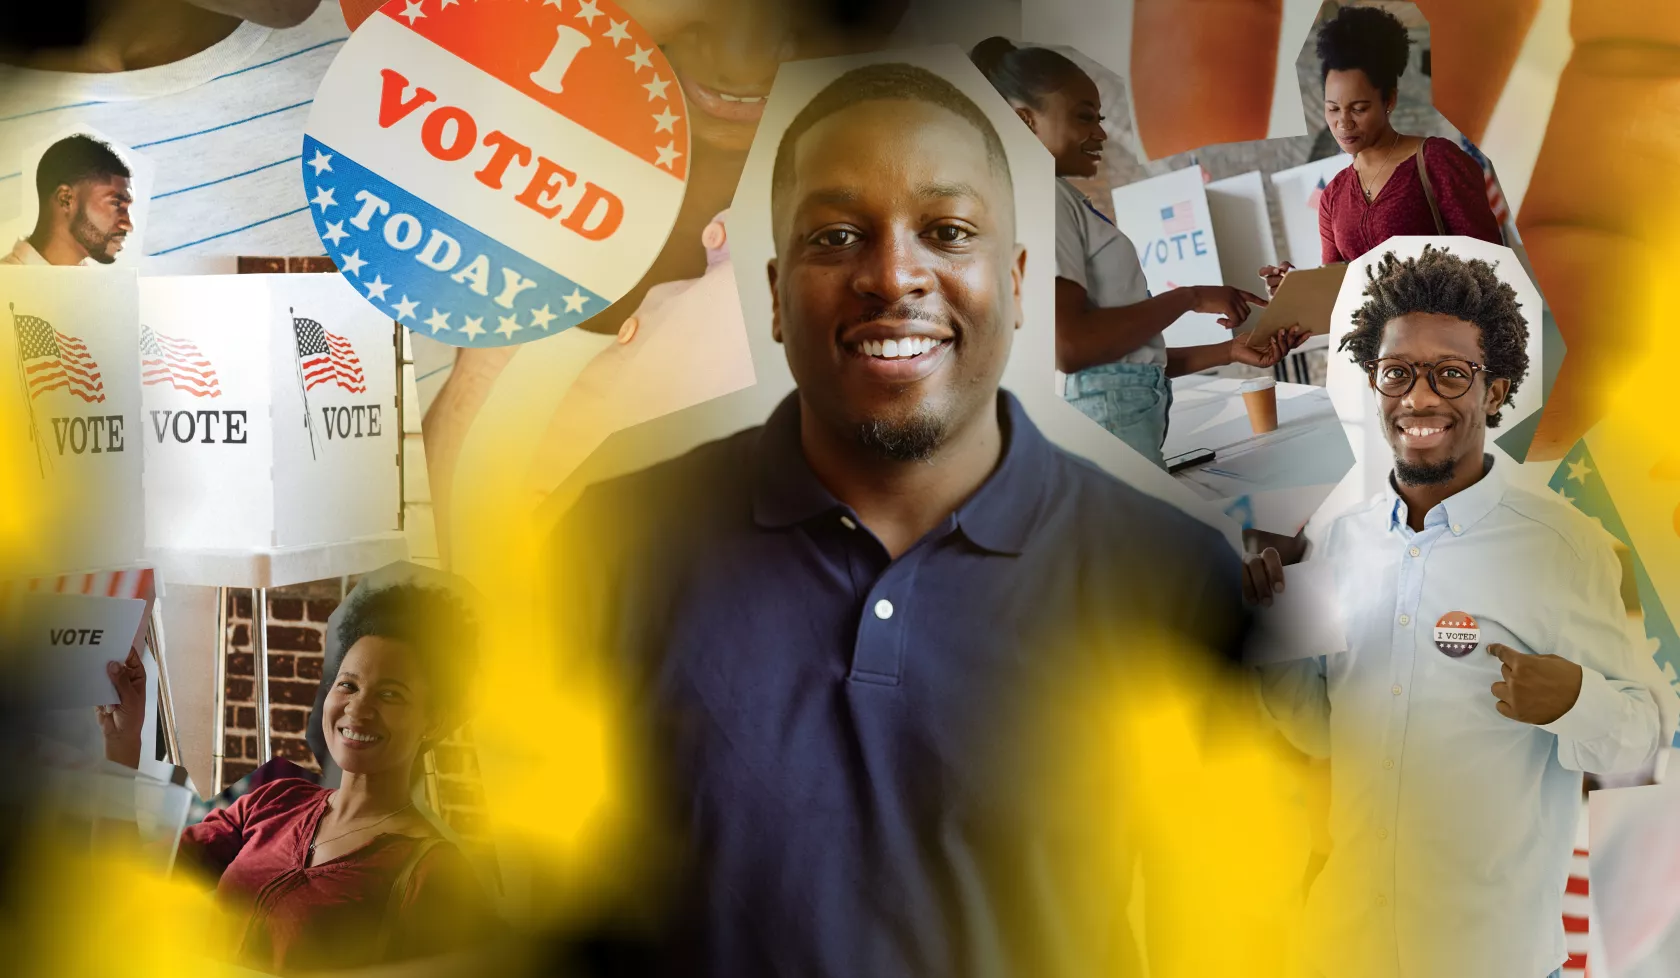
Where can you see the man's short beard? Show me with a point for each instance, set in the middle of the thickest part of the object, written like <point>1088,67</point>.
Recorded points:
<point>1432,474</point>
<point>92,240</point>
<point>912,439</point>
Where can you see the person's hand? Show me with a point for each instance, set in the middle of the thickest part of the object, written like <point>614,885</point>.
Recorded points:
<point>1228,303</point>
<point>1273,274</point>
<point>1275,349</point>
<point>1262,576</point>
<point>121,723</point>
<point>1534,689</point>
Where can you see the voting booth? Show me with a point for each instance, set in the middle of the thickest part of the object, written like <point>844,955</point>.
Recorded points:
<point>71,405</point>
<point>272,431</point>
<point>1299,190</point>
<point>1168,221</point>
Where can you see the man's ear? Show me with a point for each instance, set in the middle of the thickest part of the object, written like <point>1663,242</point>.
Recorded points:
<point>64,198</point>
<point>1498,389</point>
<point>775,302</point>
<point>1028,116</point>
<point>1017,273</point>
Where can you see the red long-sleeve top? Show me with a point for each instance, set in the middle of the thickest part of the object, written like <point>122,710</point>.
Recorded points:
<point>329,916</point>
<point>1349,227</point>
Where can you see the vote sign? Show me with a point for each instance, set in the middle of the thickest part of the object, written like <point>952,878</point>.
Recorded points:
<point>489,172</point>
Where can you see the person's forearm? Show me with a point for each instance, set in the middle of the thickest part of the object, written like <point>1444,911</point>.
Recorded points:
<point>1104,335</point>
<point>1183,360</point>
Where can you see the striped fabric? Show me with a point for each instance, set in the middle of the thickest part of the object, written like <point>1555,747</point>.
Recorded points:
<point>1576,925</point>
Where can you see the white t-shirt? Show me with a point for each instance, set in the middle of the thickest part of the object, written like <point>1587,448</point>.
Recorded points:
<point>223,128</point>
<point>1092,253</point>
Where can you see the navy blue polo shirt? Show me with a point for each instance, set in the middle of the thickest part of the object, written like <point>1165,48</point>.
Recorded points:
<point>858,750</point>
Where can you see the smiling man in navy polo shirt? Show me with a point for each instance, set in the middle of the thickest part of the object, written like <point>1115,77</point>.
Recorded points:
<point>847,628</point>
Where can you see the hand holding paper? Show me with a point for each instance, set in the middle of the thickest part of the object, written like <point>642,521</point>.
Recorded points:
<point>1293,622</point>
<point>121,724</point>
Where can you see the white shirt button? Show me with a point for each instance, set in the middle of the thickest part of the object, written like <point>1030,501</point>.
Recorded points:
<point>1458,528</point>
<point>1382,833</point>
<point>1382,901</point>
<point>848,523</point>
<point>1405,619</point>
<point>1395,689</point>
<point>883,609</point>
<point>1414,551</point>
<point>1388,764</point>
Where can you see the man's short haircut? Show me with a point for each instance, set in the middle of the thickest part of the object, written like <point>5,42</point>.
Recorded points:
<point>883,82</point>
<point>74,159</point>
<point>1442,283</point>
<point>437,627</point>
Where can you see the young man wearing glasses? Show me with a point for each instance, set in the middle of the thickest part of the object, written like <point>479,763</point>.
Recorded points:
<point>1489,660</point>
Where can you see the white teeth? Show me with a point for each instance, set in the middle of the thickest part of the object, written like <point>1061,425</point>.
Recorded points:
<point>899,349</point>
<point>359,738</point>
<point>740,98</point>
<point>1423,432</point>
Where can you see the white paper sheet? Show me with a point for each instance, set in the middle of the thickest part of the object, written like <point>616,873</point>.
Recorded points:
<point>1304,620</point>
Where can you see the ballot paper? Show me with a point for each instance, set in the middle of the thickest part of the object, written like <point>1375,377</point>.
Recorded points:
<point>64,642</point>
<point>1302,621</point>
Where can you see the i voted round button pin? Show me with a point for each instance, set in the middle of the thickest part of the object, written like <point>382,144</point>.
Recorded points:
<point>1457,634</point>
<point>490,172</point>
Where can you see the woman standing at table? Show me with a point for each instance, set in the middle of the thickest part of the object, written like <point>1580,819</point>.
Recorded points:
<point>1108,326</point>
<point>1399,184</point>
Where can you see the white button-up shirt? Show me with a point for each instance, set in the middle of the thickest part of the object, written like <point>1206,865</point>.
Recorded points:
<point>1452,826</point>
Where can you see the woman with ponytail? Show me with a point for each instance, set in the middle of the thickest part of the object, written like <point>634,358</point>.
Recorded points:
<point>1108,326</point>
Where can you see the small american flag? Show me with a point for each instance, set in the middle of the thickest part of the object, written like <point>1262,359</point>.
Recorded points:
<point>1495,196</point>
<point>327,358</point>
<point>1317,196</point>
<point>1576,906</point>
<point>178,363</point>
<point>53,361</point>
<point>1178,218</point>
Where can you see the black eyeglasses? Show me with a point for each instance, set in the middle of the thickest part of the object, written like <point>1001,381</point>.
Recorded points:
<point>1394,377</point>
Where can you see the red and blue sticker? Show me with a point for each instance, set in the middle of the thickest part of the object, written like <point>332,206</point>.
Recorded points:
<point>490,172</point>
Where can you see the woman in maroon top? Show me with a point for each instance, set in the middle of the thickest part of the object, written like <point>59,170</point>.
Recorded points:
<point>1363,52</point>
<point>332,879</point>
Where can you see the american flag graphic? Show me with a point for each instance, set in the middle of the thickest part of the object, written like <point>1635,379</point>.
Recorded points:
<point>1317,196</point>
<point>178,363</point>
<point>107,584</point>
<point>1178,218</point>
<point>53,361</point>
<point>1495,196</point>
<point>1576,906</point>
<point>327,358</point>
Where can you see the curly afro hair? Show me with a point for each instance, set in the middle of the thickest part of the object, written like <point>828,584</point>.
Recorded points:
<point>1369,39</point>
<point>1440,282</point>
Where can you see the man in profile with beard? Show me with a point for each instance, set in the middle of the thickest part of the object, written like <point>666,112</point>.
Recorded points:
<point>845,628</point>
<point>83,189</point>
<point>1489,658</point>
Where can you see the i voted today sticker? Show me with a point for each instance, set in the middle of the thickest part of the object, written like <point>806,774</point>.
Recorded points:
<point>1457,634</point>
<point>490,172</point>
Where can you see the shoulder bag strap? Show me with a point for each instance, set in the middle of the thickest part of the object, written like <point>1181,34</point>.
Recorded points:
<point>1428,188</point>
<point>399,894</point>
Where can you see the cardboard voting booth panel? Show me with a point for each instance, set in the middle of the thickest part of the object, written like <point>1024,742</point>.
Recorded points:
<point>1167,220</point>
<point>271,429</point>
<point>70,403</point>
<point>1242,224</point>
<point>1299,190</point>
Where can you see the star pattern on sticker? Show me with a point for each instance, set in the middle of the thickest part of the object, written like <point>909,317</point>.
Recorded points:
<point>664,121</point>
<point>405,308</point>
<point>575,301</point>
<point>668,156</point>
<point>352,263</point>
<point>377,287</point>
<point>1579,471</point>
<point>323,198</point>
<point>412,12</point>
<point>556,4</point>
<point>438,320</point>
<point>540,318</point>
<point>322,162</point>
<point>587,12</point>
<point>656,88</point>
<point>617,32</point>
<point>474,327</point>
<point>509,325</point>
<point>643,58</point>
<point>446,3</point>
<point>335,232</point>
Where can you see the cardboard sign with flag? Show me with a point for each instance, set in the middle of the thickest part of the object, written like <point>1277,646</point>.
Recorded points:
<point>70,399</point>
<point>1168,221</point>
<point>272,431</point>
<point>1299,190</point>
<point>490,173</point>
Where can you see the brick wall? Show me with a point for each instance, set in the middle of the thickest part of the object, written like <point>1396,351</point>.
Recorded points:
<point>297,623</point>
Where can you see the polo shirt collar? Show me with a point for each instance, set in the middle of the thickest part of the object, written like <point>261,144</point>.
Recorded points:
<point>1000,516</point>
<point>1461,510</point>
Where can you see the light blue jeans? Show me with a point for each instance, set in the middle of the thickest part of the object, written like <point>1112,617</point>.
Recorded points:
<point>1131,400</point>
